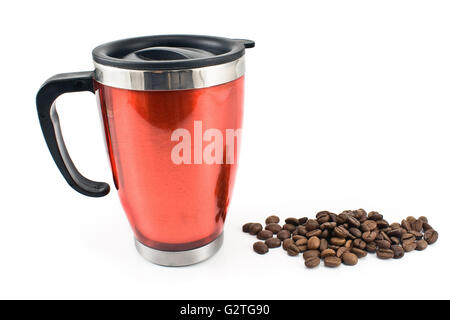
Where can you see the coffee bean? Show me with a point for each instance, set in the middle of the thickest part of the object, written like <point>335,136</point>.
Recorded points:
<point>379,236</point>
<point>301,242</point>
<point>322,217</point>
<point>371,247</point>
<point>359,253</point>
<point>408,247</point>
<point>417,226</point>
<point>332,262</point>
<point>287,243</point>
<point>411,219</point>
<point>368,225</point>
<point>302,221</point>
<point>360,244</point>
<point>417,234</point>
<point>302,230</point>
<point>340,251</point>
<point>327,253</point>
<point>426,226</point>
<point>369,236</point>
<point>310,254</point>
<point>407,241</point>
<point>430,236</point>
<point>395,240</point>
<point>312,262</point>
<point>313,243</point>
<point>395,225</point>
<point>295,236</point>
<point>398,251</point>
<point>321,214</point>
<point>303,248</point>
<point>341,232</point>
<point>421,244</point>
<point>328,226</point>
<point>298,237</point>
<point>272,219</point>
<point>337,241</point>
<point>360,213</point>
<point>363,219</point>
<point>383,244</point>
<point>274,227</point>
<point>260,247</point>
<point>355,232</point>
<point>255,228</point>
<point>408,238</point>
<point>382,224</point>
<point>246,227</point>
<point>423,219</point>
<point>353,222</point>
<point>273,242</point>
<point>289,227</point>
<point>373,215</point>
<point>323,244</point>
<point>342,218</point>
<point>349,259</point>
<point>293,250</point>
<point>311,225</point>
<point>283,235</point>
<point>351,237</point>
<point>384,236</point>
<point>406,225</point>
<point>314,233</point>
<point>293,221</point>
<point>349,244</point>
<point>395,233</point>
<point>332,246</point>
<point>325,234</point>
<point>385,253</point>
<point>333,217</point>
<point>264,234</point>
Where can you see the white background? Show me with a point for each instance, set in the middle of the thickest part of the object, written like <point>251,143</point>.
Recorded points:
<point>347,106</point>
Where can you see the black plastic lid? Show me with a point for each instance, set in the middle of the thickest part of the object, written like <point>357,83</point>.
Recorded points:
<point>170,52</point>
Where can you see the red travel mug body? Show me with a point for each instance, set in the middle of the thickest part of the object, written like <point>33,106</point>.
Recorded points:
<point>172,114</point>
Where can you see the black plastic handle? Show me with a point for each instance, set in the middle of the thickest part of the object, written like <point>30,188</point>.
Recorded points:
<point>48,117</point>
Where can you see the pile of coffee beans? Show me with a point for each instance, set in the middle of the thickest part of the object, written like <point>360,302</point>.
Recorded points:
<point>342,238</point>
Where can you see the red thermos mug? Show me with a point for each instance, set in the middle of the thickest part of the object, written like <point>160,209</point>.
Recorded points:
<point>171,109</point>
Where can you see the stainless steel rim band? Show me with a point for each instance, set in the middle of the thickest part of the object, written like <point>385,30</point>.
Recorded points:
<point>183,79</point>
<point>179,258</point>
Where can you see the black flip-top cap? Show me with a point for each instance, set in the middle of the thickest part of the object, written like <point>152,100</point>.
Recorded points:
<point>170,52</point>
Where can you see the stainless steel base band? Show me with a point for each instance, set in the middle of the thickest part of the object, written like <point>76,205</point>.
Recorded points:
<point>183,79</point>
<point>179,258</point>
